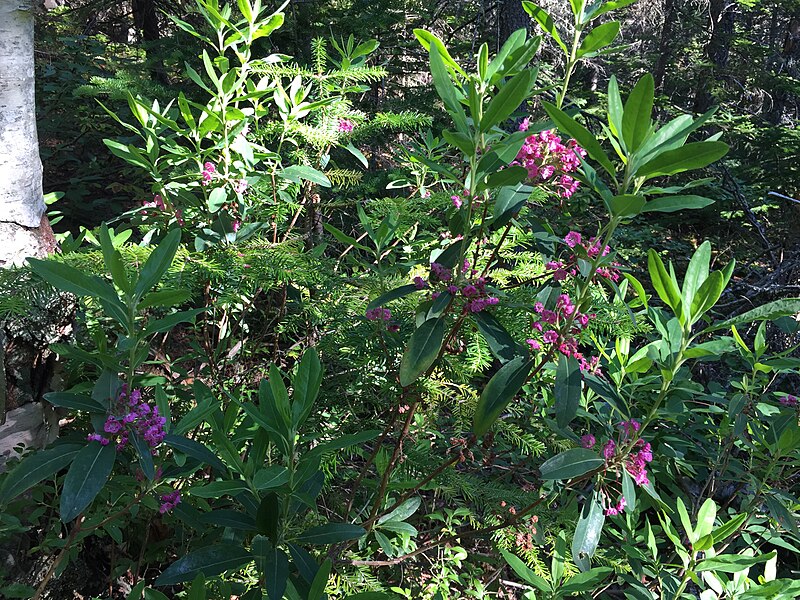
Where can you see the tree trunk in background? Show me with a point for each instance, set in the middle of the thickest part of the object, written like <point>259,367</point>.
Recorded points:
<point>788,64</point>
<point>24,229</point>
<point>510,18</point>
<point>721,22</point>
<point>25,369</point>
<point>145,19</point>
<point>665,44</point>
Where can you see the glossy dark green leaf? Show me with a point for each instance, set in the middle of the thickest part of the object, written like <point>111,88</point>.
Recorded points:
<point>320,581</point>
<point>669,204</point>
<point>345,441</point>
<point>501,389</point>
<point>567,390</point>
<point>570,463</point>
<point>781,514</point>
<point>87,475</point>
<point>305,563</point>
<point>233,519</point>
<point>171,320</point>
<point>268,516</point>
<point>209,561</point>
<point>525,573</point>
<point>74,401</point>
<point>601,36</point>
<point>546,22</point>
<point>70,279</point>
<point>732,563</point>
<point>636,118</point>
<point>423,349</point>
<point>195,450</point>
<point>113,260</point>
<point>400,292</point>
<point>581,135</point>
<point>509,202</point>
<point>586,582</point>
<point>587,532</point>
<point>306,384</point>
<point>298,173</point>
<point>694,155</point>
<point>275,566</point>
<point>270,477</point>
<point>35,468</point>
<point>628,491</point>
<point>511,95</point>
<point>158,263</point>
<point>330,533</point>
<point>765,312</point>
<point>626,206</point>
<point>217,489</point>
<point>502,345</point>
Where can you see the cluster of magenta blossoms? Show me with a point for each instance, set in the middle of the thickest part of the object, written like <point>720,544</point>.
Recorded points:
<point>131,414</point>
<point>789,401</point>
<point>586,249</point>
<point>550,327</point>
<point>549,161</point>
<point>161,207</point>
<point>473,290</point>
<point>169,501</point>
<point>382,315</point>
<point>635,462</point>
<point>209,169</point>
<point>345,126</point>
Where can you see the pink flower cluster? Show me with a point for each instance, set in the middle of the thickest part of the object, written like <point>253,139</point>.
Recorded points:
<point>620,506</point>
<point>550,324</point>
<point>208,172</point>
<point>137,416</point>
<point>345,126</point>
<point>476,296</point>
<point>548,160</point>
<point>636,461</point>
<point>169,501</point>
<point>789,401</point>
<point>157,203</point>
<point>382,314</point>
<point>591,249</point>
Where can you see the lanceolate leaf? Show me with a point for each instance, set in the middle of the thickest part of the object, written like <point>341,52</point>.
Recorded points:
<point>501,389</point>
<point>209,561</point>
<point>546,22</point>
<point>502,345</point>
<point>72,280</point>
<point>732,563</point>
<point>599,37</point>
<point>276,573</point>
<point>765,312</point>
<point>331,533</point>
<point>587,532</point>
<point>636,117</point>
<point>423,348</point>
<point>157,263</point>
<point>35,468</point>
<point>384,299</point>
<point>581,135</point>
<point>570,463</point>
<point>675,203</point>
<point>567,390</point>
<point>507,100</point>
<point>86,477</point>
<point>695,155</point>
<point>195,450</point>
<point>74,402</point>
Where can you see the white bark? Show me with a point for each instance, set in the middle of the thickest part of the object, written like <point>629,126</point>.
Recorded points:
<point>21,198</point>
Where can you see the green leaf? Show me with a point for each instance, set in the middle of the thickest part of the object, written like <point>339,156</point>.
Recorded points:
<point>402,512</point>
<point>447,90</point>
<point>581,135</point>
<point>268,516</point>
<point>588,581</point>
<point>524,572</point>
<point>217,489</point>
<point>694,155</point>
<point>400,292</point>
<point>75,402</point>
<point>732,563</point>
<point>270,477</point>
<point>567,390</point>
<point>669,204</point>
<point>614,108</point>
<point>165,297</point>
<point>297,173</point>
<point>599,37</point>
<point>507,177</point>
<point>331,533</point>
<point>320,580</point>
<point>35,468</point>
<point>87,475</point>
<point>628,491</point>
<point>502,345</point>
<point>422,351</point>
<point>509,202</point>
<point>685,520</point>
<point>507,100</point>
<point>344,238</point>
<point>546,22</point>
<point>781,514</point>
<point>636,121</point>
<point>113,260</point>
<point>662,282</point>
<point>71,280</point>
<point>217,199</point>
<point>696,272</point>
<point>306,384</point>
<point>501,389</point>
<point>158,263</point>
<point>765,312</point>
<point>233,519</point>
<point>210,561</point>
<point>429,40</point>
<point>345,441</point>
<point>626,206</point>
<point>609,6</point>
<point>705,519</point>
<point>195,450</point>
<point>171,320</point>
<point>570,463</point>
<point>587,532</point>
<point>708,295</point>
<point>275,566</point>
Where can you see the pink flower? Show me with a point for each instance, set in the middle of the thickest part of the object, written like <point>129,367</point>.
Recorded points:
<point>169,501</point>
<point>572,239</point>
<point>345,126</point>
<point>534,344</point>
<point>588,441</point>
<point>609,450</point>
<point>789,401</point>
<point>236,225</point>
<point>615,510</point>
<point>550,336</point>
<point>420,283</point>
<point>378,314</point>
<point>456,201</point>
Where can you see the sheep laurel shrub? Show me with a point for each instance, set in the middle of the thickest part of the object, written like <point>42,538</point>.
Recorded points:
<point>496,393</point>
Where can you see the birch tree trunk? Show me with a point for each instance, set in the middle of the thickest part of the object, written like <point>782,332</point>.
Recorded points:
<point>24,230</point>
